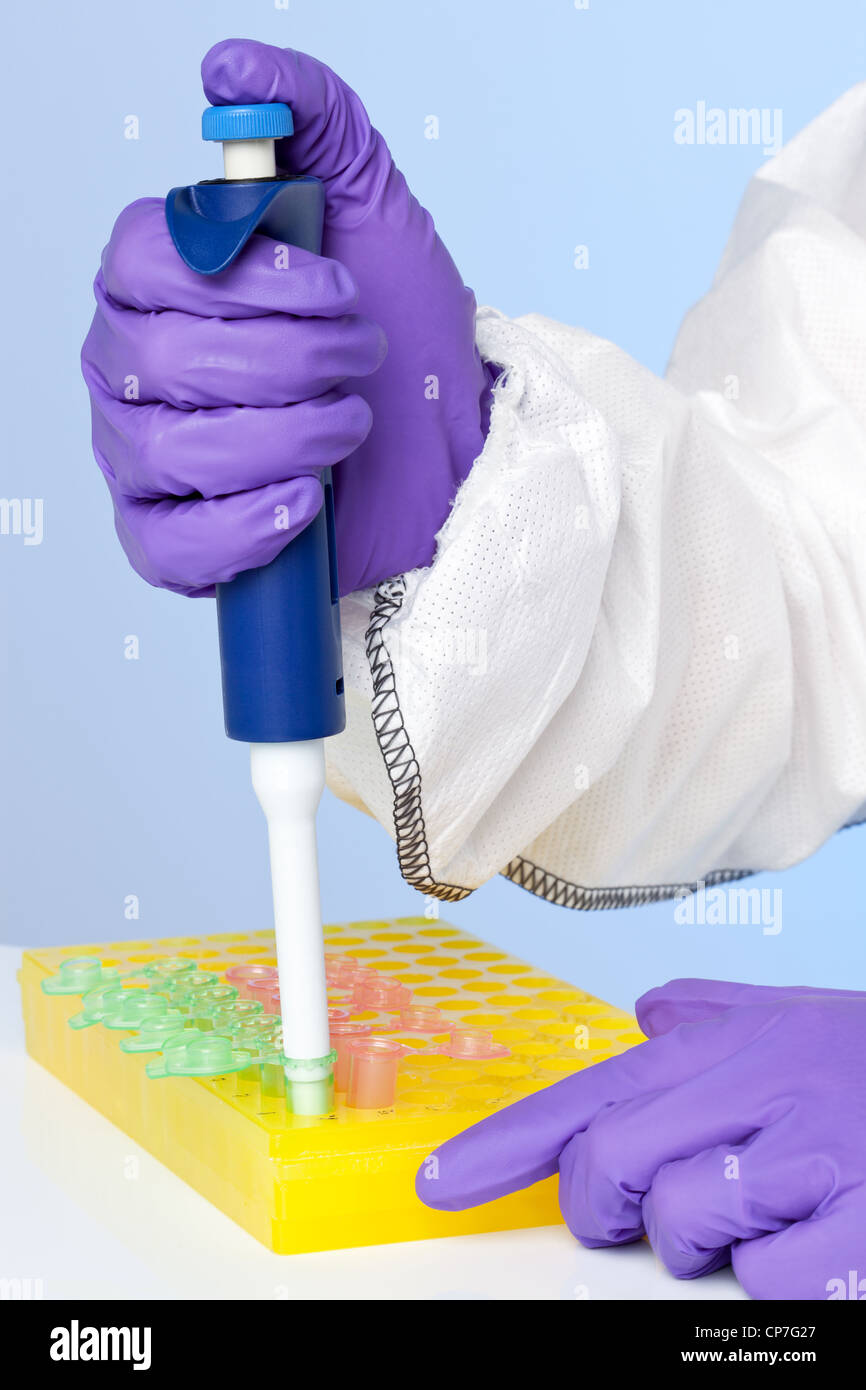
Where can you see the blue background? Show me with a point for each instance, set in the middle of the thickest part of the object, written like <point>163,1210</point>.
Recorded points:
<point>555,129</point>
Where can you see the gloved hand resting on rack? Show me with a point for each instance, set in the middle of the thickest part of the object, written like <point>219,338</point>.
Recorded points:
<point>737,1134</point>
<point>218,399</point>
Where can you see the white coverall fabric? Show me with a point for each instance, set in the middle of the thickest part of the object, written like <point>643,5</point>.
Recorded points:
<point>639,657</point>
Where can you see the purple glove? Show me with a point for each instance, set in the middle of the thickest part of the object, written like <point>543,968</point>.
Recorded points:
<point>736,1134</point>
<point>217,400</point>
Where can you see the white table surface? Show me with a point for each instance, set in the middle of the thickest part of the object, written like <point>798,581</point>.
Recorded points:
<point>90,1215</point>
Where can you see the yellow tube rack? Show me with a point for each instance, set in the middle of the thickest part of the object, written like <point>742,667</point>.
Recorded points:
<point>300,1184</point>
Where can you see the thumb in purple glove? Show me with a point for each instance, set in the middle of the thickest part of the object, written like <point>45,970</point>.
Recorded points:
<point>737,1134</point>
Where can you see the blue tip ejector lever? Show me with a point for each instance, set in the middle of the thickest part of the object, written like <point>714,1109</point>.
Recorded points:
<point>279,625</point>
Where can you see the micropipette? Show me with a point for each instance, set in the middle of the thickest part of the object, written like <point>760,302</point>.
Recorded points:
<point>279,625</point>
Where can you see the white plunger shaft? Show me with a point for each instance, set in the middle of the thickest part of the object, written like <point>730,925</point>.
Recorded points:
<point>288,779</point>
<point>249,159</point>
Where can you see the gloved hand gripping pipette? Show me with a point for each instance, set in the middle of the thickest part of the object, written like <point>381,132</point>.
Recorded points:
<point>279,625</point>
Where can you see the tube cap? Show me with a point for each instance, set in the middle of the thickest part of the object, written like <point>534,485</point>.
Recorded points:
<point>269,120</point>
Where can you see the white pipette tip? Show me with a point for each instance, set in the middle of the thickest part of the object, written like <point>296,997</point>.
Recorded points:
<point>288,779</point>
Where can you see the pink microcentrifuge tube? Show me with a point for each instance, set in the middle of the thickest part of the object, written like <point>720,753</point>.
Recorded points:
<point>333,965</point>
<point>262,989</point>
<point>373,1066</point>
<point>381,993</point>
<point>244,975</point>
<point>271,999</point>
<point>467,1044</point>
<point>355,978</point>
<point>421,1018</point>
<point>339,969</point>
<point>342,1033</point>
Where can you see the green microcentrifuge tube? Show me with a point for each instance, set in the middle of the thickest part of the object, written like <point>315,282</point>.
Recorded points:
<point>78,975</point>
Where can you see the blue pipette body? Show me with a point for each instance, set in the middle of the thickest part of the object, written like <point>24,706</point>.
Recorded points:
<point>279,625</point>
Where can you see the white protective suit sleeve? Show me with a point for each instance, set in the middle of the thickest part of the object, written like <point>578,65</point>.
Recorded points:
<point>638,661</point>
